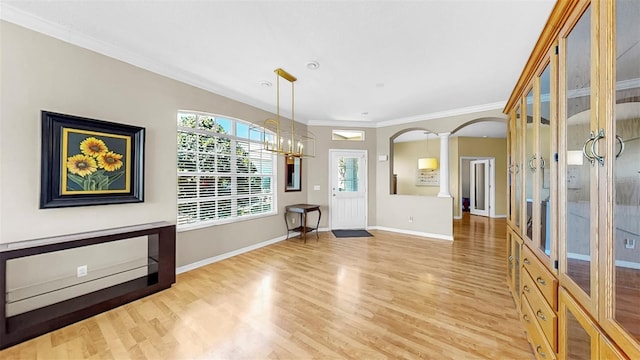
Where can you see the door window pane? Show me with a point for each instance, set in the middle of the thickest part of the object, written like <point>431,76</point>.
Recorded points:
<point>626,168</point>
<point>578,185</point>
<point>479,186</point>
<point>348,174</point>
<point>517,160</point>
<point>544,175</point>
<point>530,157</point>
<point>578,340</point>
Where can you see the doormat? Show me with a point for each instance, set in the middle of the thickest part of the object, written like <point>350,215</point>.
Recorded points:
<point>351,233</point>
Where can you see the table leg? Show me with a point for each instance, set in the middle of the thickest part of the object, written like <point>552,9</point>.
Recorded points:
<point>287,224</point>
<point>304,226</point>
<point>318,224</point>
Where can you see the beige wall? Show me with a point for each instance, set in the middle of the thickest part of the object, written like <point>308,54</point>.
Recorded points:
<point>42,73</point>
<point>431,215</point>
<point>318,169</point>
<point>486,147</point>
<point>405,165</point>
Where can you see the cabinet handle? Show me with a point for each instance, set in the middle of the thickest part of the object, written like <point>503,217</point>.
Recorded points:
<point>619,138</point>
<point>517,168</point>
<point>510,258</point>
<point>526,288</point>
<point>533,168</point>
<point>541,315</point>
<point>542,162</point>
<point>526,318</point>
<point>539,351</point>
<point>526,261</point>
<point>593,147</point>
<point>541,281</point>
<point>591,138</point>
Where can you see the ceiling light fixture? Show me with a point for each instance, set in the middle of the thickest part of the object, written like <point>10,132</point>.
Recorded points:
<point>278,140</point>
<point>427,163</point>
<point>313,65</point>
<point>430,163</point>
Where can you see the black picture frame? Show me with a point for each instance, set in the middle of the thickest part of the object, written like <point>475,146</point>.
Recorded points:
<point>90,162</point>
<point>293,174</point>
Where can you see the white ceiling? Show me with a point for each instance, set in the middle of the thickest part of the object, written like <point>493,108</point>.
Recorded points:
<point>396,61</point>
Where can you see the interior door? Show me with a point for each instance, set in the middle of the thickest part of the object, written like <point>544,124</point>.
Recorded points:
<point>348,189</point>
<point>479,187</point>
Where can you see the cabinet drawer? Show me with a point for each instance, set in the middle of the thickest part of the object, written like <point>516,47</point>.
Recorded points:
<point>541,347</point>
<point>543,278</point>
<point>541,311</point>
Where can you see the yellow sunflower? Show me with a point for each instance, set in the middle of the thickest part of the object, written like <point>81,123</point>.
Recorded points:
<point>93,147</point>
<point>81,165</point>
<point>110,161</point>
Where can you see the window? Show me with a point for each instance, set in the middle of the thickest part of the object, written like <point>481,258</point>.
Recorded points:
<point>350,135</point>
<point>224,175</point>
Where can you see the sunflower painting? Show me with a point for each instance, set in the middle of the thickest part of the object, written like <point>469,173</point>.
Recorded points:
<point>90,162</point>
<point>94,162</point>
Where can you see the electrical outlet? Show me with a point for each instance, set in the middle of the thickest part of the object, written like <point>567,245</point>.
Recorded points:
<point>410,219</point>
<point>630,243</point>
<point>81,271</point>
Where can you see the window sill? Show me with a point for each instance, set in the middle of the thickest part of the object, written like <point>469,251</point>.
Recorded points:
<point>212,223</point>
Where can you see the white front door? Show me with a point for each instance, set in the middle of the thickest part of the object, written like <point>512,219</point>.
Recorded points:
<point>348,189</point>
<point>479,187</point>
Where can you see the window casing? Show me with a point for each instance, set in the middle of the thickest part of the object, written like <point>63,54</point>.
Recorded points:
<point>224,174</point>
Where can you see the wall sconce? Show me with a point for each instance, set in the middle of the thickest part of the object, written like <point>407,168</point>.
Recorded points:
<point>575,157</point>
<point>427,163</point>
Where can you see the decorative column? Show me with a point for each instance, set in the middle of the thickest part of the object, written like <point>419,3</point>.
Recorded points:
<point>444,165</point>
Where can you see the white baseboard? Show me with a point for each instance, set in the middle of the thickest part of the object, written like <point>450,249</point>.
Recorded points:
<point>492,217</point>
<point>411,232</point>
<point>229,254</point>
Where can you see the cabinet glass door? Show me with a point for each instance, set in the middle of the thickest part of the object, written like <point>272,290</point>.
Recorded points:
<point>517,160</point>
<point>625,160</point>
<point>578,226</point>
<point>514,262</point>
<point>530,166</point>
<point>578,340</point>
<point>578,335</point>
<point>545,162</point>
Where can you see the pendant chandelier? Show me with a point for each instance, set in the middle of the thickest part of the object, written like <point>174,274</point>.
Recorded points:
<point>285,140</point>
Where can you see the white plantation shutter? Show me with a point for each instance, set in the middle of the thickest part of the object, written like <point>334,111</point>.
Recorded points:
<point>223,172</point>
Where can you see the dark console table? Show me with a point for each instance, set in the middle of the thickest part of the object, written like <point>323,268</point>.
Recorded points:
<point>303,228</point>
<point>158,267</point>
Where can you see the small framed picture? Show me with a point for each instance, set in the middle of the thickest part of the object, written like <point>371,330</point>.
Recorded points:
<point>90,162</point>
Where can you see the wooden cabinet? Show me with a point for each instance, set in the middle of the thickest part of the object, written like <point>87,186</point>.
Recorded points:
<point>574,176</point>
<point>581,337</point>
<point>539,294</point>
<point>514,256</point>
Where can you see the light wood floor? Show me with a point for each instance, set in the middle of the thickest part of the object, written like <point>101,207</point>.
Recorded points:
<point>390,296</point>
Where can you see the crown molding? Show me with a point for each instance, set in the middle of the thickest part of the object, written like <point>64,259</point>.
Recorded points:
<point>16,16</point>
<point>343,123</point>
<point>443,114</point>
<point>407,120</point>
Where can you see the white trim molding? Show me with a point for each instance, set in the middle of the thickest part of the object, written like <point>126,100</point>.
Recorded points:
<point>415,233</point>
<point>214,259</point>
